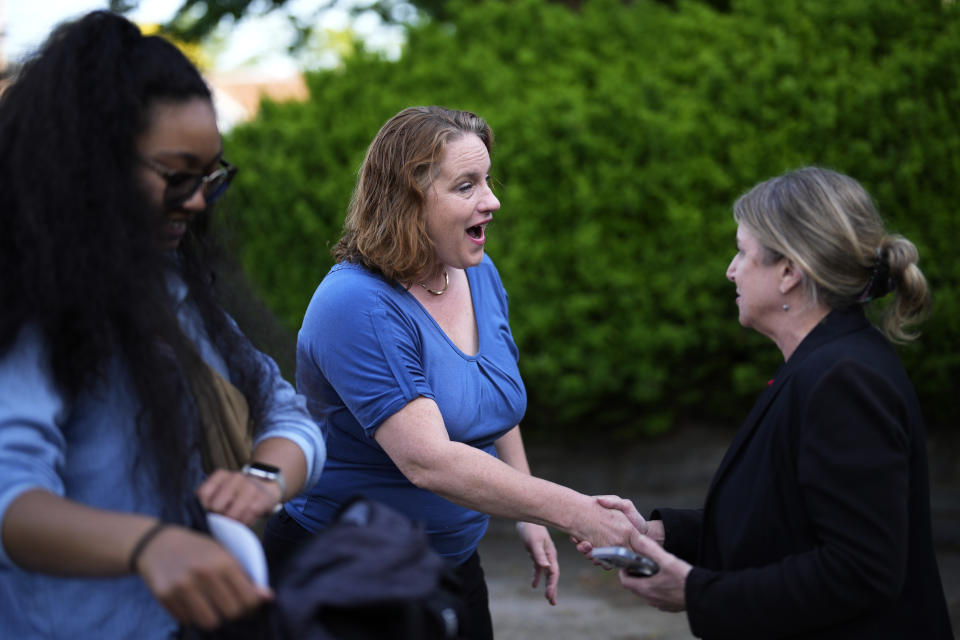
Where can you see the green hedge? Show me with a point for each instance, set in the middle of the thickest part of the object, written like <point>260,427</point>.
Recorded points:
<point>624,132</point>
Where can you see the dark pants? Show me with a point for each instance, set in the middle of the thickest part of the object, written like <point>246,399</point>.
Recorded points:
<point>283,536</point>
<point>477,625</point>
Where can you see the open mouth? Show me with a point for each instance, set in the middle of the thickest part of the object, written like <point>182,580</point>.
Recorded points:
<point>476,231</point>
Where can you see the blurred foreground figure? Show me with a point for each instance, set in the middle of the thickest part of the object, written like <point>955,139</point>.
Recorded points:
<point>128,398</point>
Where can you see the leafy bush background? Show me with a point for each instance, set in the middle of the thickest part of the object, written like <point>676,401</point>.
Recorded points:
<point>624,131</point>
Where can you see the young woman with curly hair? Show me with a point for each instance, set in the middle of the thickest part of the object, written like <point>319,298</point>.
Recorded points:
<point>126,391</point>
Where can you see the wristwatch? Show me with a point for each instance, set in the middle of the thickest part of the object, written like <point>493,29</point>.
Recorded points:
<point>266,472</point>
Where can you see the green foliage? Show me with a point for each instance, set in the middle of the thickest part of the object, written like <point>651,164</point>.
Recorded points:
<point>624,132</point>
<point>197,19</point>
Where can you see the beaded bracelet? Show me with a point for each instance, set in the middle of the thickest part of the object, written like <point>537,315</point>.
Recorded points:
<point>142,544</point>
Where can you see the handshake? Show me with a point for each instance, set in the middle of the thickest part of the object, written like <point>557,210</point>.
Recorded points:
<point>637,551</point>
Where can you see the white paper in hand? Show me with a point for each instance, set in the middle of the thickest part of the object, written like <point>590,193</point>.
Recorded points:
<point>243,543</point>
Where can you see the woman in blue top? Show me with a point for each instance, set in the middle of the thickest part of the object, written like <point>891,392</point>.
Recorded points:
<point>125,389</point>
<point>409,366</point>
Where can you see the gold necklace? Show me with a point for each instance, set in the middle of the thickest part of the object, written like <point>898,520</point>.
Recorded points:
<point>446,283</point>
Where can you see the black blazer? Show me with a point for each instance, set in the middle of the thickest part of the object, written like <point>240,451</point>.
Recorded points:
<point>817,522</point>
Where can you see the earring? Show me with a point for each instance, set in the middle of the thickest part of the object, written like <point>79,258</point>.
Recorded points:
<point>786,307</point>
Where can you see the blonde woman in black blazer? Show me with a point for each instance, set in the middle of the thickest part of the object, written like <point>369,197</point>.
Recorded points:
<point>817,523</point>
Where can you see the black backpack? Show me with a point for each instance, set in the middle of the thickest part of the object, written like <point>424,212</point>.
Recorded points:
<point>371,575</point>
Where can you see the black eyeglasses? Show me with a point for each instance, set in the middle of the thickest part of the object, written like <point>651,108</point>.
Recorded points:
<point>181,185</point>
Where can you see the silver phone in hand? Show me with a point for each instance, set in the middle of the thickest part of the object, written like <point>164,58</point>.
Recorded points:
<point>633,563</point>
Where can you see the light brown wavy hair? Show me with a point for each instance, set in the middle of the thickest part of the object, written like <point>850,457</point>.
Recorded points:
<point>827,224</point>
<point>385,229</point>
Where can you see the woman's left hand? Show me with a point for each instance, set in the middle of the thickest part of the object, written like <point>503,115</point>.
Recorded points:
<point>238,496</point>
<point>542,551</point>
<point>666,589</point>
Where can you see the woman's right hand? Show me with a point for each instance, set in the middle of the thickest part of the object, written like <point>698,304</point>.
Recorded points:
<point>611,521</point>
<point>627,508</point>
<point>196,580</point>
<point>615,534</point>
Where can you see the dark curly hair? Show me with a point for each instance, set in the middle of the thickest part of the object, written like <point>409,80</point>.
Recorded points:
<point>79,252</point>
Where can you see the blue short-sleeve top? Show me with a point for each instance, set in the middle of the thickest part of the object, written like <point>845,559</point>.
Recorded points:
<point>367,347</point>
